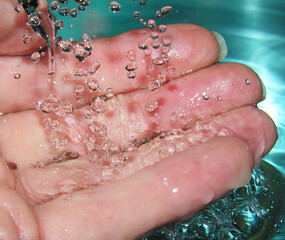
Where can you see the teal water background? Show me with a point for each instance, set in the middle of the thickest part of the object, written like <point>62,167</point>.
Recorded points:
<point>254,31</point>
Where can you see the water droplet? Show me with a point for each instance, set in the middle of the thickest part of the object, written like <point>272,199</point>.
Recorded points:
<point>68,108</point>
<point>47,105</point>
<point>109,93</point>
<point>170,147</point>
<point>95,155</point>
<point>115,7</point>
<point>158,14</point>
<point>88,114</point>
<point>137,14</point>
<point>63,11</point>
<point>150,107</point>
<point>166,10</point>
<point>147,51</point>
<point>205,97</point>
<point>155,44</point>
<point>81,7</point>
<point>58,24</point>
<point>172,70</point>
<point>79,89</point>
<point>158,61</point>
<point>131,55</point>
<point>142,2</point>
<point>151,24</point>
<point>27,38</point>
<point>35,57</point>
<point>66,46</point>
<point>166,41</point>
<point>80,53</point>
<point>154,35</point>
<point>142,45</point>
<point>73,13</point>
<point>162,28</point>
<point>161,77</point>
<point>247,81</point>
<point>98,105</point>
<point>99,128</point>
<point>219,98</point>
<point>131,66</point>
<point>17,75</point>
<point>131,75</point>
<point>54,6</point>
<point>35,21</point>
<point>18,8</point>
<point>153,85</point>
<point>93,84</point>
<point>106,144</point>
<point>63,1</point>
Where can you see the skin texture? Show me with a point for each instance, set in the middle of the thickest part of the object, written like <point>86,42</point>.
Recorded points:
<point>201,141</point>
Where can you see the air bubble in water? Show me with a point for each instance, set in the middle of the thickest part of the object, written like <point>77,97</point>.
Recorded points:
<point>98,105</point>
<point>92,84</point>
<point>151,24</point>
<point>142,2</point>
<point>54,6</point>
<point>166,10</point>
<point>115,7</point>
<point>17,75</point>
<point>35,21</point>
<point>150,107</point>
<point>58,24</point>
<point>79,89</point>
<point>109,93</point>
<point>154,35</point>
<point>131,66</point>
<point>63,11</point>
<point>73,13</point>
<point>35,57</point>
<point>137,15</point>
<point>162,28</point>
<point>247,81</point>
<point>142,45</point>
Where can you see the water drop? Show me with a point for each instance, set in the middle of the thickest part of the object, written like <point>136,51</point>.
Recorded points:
<point>63,11</point>
<point>247,81</point>
<point>17,75</point>
<point>131,75</point>
<point>109,93</point>
<point>131,55</point>
<point>153,85</point>
<point>142,45</point>
<point>63,1</point>
<point>35,57</point>
<point>81,7</point>
<point>154,35</point>
<point>142,2</point>
<point>115,7</point>
<point>47,105</point>
<point>150,107</point>
<point>151,24</point>
<point>161,77</point>
<point>147,51</point>
<point>172,70</point>
<point>35,21</point>
<point>166,10</point>
<point>166,41</point>
<point>27,38</point>
<point>80,53</point>
<point>162,28</point>
<point>54,6</point>
<point>158,14</point>
<point>79,89</point>
<point>66,46</point>
<point>88,114</point>
<point>68,108</point>
<point>219,98</point>
<point>18,8</point>
<point>92,84</point>
<point>95,155</point>
<point>158,61</point>
<point>98,105</point>
<point>155,44</point>
<point>170,147</point>
<point>137,14</point>
<point>205,97</point>
<point>58,24</point>
<point>131,66</point>
<point>73,13</point>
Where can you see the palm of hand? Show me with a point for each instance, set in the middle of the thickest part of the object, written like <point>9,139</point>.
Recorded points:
<point>120,124</point>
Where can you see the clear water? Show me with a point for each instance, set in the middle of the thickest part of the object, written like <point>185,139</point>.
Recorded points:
<point>255,35</point>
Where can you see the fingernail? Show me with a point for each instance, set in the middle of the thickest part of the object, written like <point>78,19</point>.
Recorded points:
<point>263,90</point>
<point>223,50</point>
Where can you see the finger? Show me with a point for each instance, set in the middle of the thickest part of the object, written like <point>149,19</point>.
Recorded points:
<point>177,187</point>
<point>20,219</point>
<point>16,38</point>
<point>126,119</point>
<point>192,48</point>
<point>247,123</point>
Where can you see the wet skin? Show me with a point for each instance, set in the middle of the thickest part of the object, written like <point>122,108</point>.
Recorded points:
<point>200,141</point>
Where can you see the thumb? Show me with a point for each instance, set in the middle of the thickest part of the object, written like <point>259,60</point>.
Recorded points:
<point>16,36</point>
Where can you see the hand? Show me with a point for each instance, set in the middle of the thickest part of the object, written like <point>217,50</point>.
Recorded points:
<point>124,159</point>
